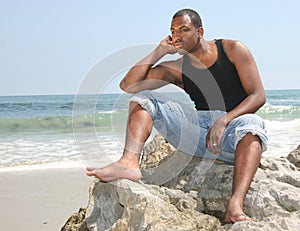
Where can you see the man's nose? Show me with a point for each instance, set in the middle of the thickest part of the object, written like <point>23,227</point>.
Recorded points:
<point>176,35</point>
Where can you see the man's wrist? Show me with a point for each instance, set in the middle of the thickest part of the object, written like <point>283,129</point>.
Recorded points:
<point>161,50</point>
<point>226,119</point>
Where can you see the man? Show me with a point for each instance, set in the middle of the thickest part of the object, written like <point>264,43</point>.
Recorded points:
<point>225,128</point>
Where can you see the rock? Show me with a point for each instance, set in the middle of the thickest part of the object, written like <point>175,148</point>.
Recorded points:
<point>76,222</point>
<point>136,206</point>
<point>194,195</point>
<point>162,150</point>
<point>273,199</point>
<point>294,157</point>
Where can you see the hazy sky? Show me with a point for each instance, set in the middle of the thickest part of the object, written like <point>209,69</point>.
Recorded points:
<point>48,47</point>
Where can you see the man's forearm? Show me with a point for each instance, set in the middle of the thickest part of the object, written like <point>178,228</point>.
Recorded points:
<point>250,105</point>
<point>140,70</point>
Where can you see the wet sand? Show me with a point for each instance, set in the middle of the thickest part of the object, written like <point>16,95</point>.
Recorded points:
<point>41,200</point>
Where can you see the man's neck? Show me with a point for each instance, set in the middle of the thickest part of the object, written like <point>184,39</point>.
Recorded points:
<point>206,53</point>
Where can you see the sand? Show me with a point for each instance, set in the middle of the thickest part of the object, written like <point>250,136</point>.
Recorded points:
<point>41,199</point>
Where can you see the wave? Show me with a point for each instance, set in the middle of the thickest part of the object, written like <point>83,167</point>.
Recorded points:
<point>100,121</point>
<point>279,112</point>
<point>44,166</point>
<point>110,119</point>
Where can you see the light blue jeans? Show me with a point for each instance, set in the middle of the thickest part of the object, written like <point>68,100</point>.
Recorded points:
<point>186,128</point>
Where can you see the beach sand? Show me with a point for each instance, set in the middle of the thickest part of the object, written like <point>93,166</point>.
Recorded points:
<point>41,199</point>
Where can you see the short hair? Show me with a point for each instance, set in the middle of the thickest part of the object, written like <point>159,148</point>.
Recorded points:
<point>194,16</point>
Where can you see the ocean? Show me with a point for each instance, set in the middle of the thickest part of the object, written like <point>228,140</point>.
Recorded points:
<point>69,131</point>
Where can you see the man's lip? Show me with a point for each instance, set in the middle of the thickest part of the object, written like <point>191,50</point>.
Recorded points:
<point>178,44</point>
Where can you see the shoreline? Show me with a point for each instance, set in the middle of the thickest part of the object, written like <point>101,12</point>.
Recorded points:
<point>41,199</point>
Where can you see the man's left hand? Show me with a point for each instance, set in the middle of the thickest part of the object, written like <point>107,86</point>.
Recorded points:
<point>214,136</point>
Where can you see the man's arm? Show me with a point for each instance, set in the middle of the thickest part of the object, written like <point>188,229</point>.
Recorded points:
<point>144,76</point>
<point>247,70</point>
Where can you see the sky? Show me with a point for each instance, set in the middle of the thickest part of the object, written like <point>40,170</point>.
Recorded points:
<point>49,47</point>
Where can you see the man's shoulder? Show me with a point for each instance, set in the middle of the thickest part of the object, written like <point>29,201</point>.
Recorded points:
<point>234,48</point>
<point>230,44</point>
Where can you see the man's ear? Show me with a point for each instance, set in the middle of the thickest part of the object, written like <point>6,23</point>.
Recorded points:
<point>200,31</point>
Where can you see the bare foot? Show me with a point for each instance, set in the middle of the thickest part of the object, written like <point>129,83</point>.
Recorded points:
<point>235,213</point>
<point>114,171</point>
<point>238,217</point>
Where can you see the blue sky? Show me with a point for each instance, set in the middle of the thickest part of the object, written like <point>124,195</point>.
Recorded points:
<point>48,47</point>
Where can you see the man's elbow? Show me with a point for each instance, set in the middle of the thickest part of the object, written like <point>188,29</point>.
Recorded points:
<point>122,85</point>
<point>261,98</point>
<point>128,89</point>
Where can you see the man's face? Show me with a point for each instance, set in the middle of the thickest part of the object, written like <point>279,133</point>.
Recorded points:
<point>184,34</point>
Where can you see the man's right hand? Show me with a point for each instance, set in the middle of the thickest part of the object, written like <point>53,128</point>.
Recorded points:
<point>167,45</point>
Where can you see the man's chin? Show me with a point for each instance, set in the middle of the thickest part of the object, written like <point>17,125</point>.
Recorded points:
<point>181,51</point>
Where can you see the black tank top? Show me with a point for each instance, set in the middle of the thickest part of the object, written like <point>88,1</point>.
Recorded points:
<point>215,88</point>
